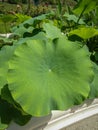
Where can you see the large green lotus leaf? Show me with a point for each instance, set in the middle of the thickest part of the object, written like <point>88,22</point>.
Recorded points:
<point>5,54</point>
<point>84,32</point>
<point>94,84</point>
<point>45,76</point>
<point>85,6</point>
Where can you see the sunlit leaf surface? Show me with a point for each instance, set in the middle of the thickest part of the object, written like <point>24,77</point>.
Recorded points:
<point>45,76</point>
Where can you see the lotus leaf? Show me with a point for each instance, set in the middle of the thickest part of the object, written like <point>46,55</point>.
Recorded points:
<point>6,18</point>
<point>45,76</point>
<point>84,32</point>
<point>94,84</point>
<point>85,6</point>
<point>51,31</point>
<point>71,17</point>
<point>20,30</point>
<point>28,25</point>
<point>5,54</point>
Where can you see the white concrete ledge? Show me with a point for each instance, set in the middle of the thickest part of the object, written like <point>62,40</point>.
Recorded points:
<point>71,118</point>
<point>60,119</point>
<point>6,35</point>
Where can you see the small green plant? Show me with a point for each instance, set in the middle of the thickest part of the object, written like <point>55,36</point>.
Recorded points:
<point>6,20</point>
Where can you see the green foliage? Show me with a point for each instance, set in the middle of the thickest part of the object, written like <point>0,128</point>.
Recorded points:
<point>74,18</point>
<point>84,32</point>
<point>20,18</point>
<point>48,65</point>
<point>59,7</point>
<point>5,19</point>
<point>30,27</point>
<point>3,126</point>
<point>85,6</point>
<point>94,85</point>
<point>15,19</point>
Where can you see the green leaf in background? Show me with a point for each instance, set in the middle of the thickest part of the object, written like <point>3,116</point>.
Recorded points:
<point>39,36</point>
<point>36,19</point>
<point>27,26</point>
<point>51,31</point>
<point>6,18</point>
<point>5,109</point>
<point>94,84</point>
<point>21,18</point>
<point>10,110</point>
<point>84,32</point>
<point>20,30</point>
<point>5,41</point>
<point>5,54</point>
<point>45,76</point>
<point>85,6</point>
<point>71,17</point>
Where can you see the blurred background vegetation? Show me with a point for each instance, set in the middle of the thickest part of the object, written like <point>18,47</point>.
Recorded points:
<point>31,6</point>
<point>28,7</point>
